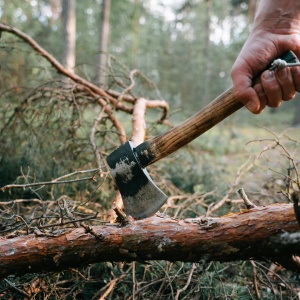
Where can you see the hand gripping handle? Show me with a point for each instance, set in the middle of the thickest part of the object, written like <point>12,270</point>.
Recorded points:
<point>223,106</point>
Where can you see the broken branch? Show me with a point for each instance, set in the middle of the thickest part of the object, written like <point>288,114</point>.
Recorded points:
<point>252,234</point>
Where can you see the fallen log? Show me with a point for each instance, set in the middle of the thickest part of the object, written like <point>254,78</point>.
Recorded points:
<point>258,233</point>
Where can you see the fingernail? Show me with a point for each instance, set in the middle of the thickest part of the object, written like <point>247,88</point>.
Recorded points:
<point>295,71</point>
<point>268,75</point>
<point>282,73</point>
<point>251,105</point>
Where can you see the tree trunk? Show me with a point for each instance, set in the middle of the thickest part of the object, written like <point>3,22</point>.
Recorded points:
<point>258,233</point>
<point>296,120</point>
<point>103,42</point>
<point>135,26</point>
<point>251,11</point>
<point>69,27</point>
<point>207,55</point>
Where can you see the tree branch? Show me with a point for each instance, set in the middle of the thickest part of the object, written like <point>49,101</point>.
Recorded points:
<point>252,234</point>
<point>102,95</point>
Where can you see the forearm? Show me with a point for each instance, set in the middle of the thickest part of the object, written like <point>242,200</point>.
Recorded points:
<point>278,16</point>
<point>275,31</point>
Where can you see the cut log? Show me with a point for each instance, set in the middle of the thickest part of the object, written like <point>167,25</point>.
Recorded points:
<point>257,233</point>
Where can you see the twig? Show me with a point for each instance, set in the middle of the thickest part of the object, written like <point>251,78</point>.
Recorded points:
<point>116,94</point>
<point>90,230</point>
<point>187,282</point>
<point>247,202</point>
<point>134,283</point>
<point>17,289</point>
<point>25,201</point>
<point>145,287</point>
<point>132,84</point>
<point>255,279</point>
<point>169,279</point>
<point>60,69</point>
<point>23,186</point>
<point>109,286</point>
<point>122,217</point>
<point>70,222</point>
<point>78,172</point>
<point>22,219</point>
<point>244,169</point>
<point>54,181</point>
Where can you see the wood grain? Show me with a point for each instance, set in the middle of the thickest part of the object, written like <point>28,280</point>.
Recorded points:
<point>179,136</point>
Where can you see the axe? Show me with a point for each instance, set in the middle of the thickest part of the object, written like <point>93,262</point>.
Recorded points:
<point>141,197</point>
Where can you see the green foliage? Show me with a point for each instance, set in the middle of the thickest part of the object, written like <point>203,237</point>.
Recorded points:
<point>161,280</point>
<point>45,132</point>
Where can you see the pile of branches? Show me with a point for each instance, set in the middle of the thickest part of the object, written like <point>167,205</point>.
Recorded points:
<point>67,225</point>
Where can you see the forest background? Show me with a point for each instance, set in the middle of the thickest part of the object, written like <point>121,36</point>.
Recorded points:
<point>183,51</point>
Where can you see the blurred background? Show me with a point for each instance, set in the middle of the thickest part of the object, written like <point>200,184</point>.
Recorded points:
<point>185,47</point>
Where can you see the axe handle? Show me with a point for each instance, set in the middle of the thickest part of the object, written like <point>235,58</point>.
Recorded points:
<point>162,145</point>
<point>224,105</point>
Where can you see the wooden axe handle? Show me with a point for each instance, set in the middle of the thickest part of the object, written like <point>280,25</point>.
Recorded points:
<point>162,145</point>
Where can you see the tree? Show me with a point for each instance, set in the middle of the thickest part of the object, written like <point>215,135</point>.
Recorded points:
<point>296,120</point>
<point>135,26</point>
<point>103,42</point>
<point>69,34</point>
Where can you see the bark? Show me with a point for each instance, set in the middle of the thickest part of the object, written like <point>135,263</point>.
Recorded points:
<point>69,27</point>
<point>135,26</point>
<point>103,42</point>
<point>207,50</point>
<point>259,233</point>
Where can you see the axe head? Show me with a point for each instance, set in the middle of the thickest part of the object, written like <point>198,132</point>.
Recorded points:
<point>141,197</point>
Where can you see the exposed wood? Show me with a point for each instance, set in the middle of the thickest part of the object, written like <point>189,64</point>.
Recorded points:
<point>179,136</point>
<point>138,117</point>
<point>138,121</point>
<point>253,234</point>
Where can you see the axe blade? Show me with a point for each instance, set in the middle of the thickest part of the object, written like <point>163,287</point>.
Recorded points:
<point>141,197</point>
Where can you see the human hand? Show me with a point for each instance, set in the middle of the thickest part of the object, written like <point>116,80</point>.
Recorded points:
<point>271,37</point>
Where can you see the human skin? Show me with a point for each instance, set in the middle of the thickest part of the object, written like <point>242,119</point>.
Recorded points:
<point>275,31</point>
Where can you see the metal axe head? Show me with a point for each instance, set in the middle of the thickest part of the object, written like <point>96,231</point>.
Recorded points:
<point>141,197</point>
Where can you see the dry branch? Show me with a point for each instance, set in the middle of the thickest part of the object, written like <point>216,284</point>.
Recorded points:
<point>252,234</point>
<point>102,98</point>
<point>138,117</point>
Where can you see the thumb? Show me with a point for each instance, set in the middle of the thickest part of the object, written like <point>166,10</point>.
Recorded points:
<point>242,85</point>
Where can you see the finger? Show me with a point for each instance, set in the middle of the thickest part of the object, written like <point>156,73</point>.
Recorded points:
<point>242,83</point>
<point>262,97</point>
<point>250,99</point>
<point>295,71</point>
<point>245,93</point>
<point>285,79</point>
<point>271,88</point>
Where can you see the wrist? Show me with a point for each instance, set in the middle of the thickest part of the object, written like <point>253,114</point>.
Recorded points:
<point>278,16</point>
